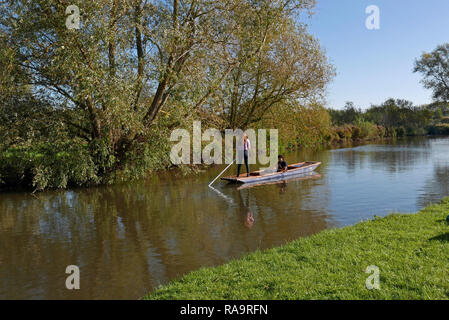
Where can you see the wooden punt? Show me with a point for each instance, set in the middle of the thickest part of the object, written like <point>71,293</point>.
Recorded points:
<point>303,176</point>
<point>268,175</point>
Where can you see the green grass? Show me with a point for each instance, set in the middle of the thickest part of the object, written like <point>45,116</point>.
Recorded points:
<point>411,251</point>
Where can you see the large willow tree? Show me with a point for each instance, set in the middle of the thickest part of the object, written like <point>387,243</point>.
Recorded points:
<point>135,68</point>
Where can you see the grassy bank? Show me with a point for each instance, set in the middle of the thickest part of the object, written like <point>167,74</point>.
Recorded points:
<point>411,251</point>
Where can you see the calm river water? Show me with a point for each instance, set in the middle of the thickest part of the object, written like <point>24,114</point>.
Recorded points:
<point>128,239</point>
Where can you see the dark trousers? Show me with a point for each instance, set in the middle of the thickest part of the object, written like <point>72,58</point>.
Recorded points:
<point>239,165</point>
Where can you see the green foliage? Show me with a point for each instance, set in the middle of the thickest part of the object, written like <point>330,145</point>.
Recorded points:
<point>393,118</point>
<point>439,129</point>
<point>48,165</point>
<point>362,130</point>
<point>434,67</point>
<point>411,251</point>
<point>350,114</point>
<point>300,126</point>
<point>400,131</point>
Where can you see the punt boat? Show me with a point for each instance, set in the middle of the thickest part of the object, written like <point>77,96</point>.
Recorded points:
<point>296,169</point>
<point>304,176</point>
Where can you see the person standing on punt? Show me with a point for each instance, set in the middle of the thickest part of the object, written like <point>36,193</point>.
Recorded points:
<point>246,148</point>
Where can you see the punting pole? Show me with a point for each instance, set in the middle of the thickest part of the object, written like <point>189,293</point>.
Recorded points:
<point>229,200</point>
<point>221,172</point>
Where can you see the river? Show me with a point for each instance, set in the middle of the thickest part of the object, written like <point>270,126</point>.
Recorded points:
<point>128,239</point>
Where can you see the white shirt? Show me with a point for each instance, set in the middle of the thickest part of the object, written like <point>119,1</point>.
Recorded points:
<point>246,144</point>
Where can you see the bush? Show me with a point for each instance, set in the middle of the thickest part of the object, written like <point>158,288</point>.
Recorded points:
<point>367,130</point>
<point>412,131</point>
<point>381,131</point>
<point>344,132</point>
<point>357,133</point>
<point>439,128</point>
<point>400,132</point>
<point>47,166</point>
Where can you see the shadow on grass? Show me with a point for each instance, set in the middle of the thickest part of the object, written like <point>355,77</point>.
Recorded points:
<point>441,237</point>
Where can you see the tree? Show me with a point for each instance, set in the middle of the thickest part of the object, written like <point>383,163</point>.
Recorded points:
<point>289,67</point>
<point>434,67</point>
<point>349,115</point>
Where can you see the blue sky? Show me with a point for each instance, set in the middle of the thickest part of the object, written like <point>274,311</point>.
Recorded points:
<point>373,65</point>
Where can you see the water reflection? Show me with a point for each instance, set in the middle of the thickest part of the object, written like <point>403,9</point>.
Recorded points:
<point>244,208</point>
<point>128,239</point>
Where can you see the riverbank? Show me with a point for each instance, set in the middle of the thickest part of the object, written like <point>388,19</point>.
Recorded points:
<point>73,163</point>
<point>411,251</point>
<point>22,170</point>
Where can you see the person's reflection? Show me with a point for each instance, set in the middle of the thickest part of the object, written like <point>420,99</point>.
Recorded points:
<point>282,187</point>
<point>249,221</point>
<point>244,207</point>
